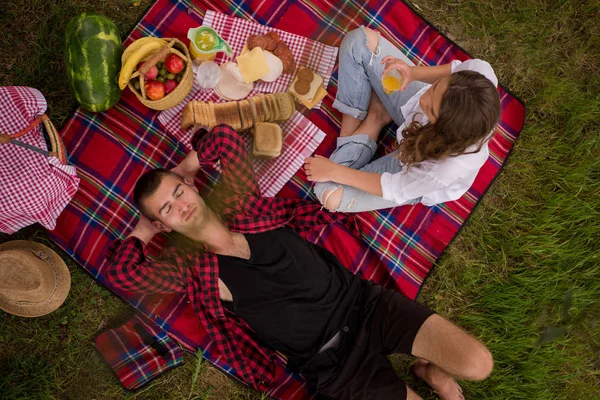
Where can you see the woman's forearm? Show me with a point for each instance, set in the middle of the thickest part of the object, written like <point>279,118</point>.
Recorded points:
<point>430,74</point>
<point>366,181</point>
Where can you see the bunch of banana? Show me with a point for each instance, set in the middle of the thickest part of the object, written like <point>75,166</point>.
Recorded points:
<point>135,53</point>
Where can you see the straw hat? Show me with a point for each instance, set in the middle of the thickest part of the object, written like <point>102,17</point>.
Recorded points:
<point>34,280</point>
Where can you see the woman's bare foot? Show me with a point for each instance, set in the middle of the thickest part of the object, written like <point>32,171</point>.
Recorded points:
<point>445,386</point>
<point>377,111</point>
<point>377,118</point>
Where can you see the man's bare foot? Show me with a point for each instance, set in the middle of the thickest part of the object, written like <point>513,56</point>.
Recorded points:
<point>445,386</point>
<point>377,111</point>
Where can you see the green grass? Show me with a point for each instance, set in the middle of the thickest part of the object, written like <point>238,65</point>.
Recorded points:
<point>534,238</point>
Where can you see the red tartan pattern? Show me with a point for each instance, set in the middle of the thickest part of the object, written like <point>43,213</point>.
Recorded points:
<point>398,247</point>
<point>138,351</point>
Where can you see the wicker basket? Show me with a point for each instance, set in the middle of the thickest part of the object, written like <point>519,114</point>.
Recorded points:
<point>183,88</point>
<point>54,143</point>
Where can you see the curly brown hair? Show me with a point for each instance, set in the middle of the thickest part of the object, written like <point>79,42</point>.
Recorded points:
<point>469,110</point>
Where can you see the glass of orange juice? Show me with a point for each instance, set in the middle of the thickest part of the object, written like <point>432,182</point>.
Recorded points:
<point>391,81</point>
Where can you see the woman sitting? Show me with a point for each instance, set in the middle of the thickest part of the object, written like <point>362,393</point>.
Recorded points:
<point>445,114</point>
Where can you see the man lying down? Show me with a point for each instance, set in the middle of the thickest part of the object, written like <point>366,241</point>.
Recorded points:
<point>259,287</point>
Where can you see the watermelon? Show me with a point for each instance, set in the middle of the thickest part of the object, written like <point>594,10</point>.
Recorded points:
<point>93,58</point>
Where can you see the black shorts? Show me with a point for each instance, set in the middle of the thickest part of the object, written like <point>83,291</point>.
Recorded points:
<point>360,369</point>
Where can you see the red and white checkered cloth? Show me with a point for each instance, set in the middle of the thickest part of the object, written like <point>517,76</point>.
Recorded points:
<point>307,53</point>
<point>300,136</point>
<point>33,187</point>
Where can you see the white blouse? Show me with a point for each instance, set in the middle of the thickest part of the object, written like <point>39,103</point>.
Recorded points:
<point>436,181</point>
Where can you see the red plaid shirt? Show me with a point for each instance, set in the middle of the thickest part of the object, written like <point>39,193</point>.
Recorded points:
<point>197,273</point>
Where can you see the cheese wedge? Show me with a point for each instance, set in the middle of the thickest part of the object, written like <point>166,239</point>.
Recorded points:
<point>320,95</point>
<point>253,65</point>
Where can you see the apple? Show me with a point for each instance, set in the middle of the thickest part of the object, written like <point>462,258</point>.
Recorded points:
<point>155,90</point>
<point>170,85</point>
<point>174,64</point>
<point>152,72</point>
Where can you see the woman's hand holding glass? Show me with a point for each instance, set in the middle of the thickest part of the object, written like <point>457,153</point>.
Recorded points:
<point>392,63</point>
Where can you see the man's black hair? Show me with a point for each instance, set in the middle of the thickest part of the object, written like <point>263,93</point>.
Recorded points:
<point>146,186</point>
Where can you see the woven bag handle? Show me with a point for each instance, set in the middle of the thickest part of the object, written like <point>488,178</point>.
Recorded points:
<point>57,148</point>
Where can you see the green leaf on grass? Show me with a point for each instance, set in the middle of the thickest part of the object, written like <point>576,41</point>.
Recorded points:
<point>199,362</point>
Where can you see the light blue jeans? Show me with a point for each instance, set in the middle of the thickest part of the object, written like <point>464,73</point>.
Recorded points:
<point>360,73</point>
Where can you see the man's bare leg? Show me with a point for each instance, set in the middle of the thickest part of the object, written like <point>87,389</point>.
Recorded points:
<point>449,353</point>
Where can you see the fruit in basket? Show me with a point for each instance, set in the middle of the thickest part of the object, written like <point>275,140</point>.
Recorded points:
<point>170,85</point>
<point>93,59</point>
<point>174,64</point>
<point>148,48</point>
<point>155,90</point>
<point>137,44</point>
<point>151,74</point>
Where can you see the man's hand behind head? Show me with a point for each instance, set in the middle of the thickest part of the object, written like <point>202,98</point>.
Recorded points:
<point>188,168</point>
<point>145,230</point>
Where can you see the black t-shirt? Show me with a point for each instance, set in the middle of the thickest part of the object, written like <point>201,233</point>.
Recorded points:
<point>295,295</point>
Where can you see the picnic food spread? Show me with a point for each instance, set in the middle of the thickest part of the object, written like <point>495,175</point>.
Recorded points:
<point>93,58</point>
<point>263,59</point>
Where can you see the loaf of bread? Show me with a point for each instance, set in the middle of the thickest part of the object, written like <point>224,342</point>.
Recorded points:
<point>241,115</point>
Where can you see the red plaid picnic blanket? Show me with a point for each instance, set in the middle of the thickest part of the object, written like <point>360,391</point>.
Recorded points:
<point>301,137</point>
<point>33,187</point>
<point>138,339</point>
<point>398,246</point>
